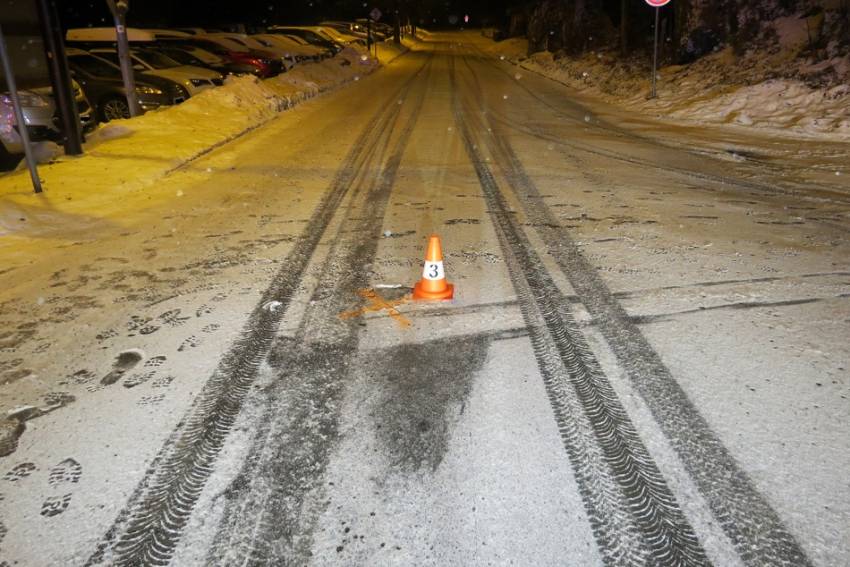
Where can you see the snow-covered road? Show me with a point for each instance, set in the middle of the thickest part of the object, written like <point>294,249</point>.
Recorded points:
<point>645,363</point>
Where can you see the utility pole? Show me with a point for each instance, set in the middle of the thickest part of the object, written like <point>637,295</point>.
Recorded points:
<point>60,77</point>
<point>119,14</point>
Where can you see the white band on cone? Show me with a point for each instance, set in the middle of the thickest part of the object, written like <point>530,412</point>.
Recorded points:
<point>433,271</point>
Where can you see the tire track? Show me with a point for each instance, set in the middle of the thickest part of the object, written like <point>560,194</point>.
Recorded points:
<point>755,529</point>
<point>271,508</point>
<point>147,531</point>
<point>634,515</point>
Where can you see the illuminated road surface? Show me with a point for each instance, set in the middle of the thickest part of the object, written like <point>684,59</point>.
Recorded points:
<point>645,361</point>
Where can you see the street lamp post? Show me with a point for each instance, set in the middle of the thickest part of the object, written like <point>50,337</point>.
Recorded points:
<point>119,12</point>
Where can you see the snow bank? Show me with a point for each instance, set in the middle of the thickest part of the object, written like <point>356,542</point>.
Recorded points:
<point>125,156</point>
<point>723,88</point>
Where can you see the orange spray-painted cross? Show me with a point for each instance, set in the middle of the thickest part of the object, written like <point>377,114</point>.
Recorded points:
<point>376,303</point>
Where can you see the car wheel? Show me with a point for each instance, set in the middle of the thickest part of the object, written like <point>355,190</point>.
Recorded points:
<point>114,109</point>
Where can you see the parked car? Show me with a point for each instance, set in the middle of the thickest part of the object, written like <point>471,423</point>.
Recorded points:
<point>84,108</point>
<point>308,35</point>
<point>292,47</point>
<point>350,29</point>
<point>149,62</point>
<point>266,64</point>
<point>41,118</point>
<point>200,48</point>
<point>382,28</point>
<point>102,84</point>
<point>339,37</point>
<point>190,55</point>
<point>108,35</point>
<point>192,31</point>
<point>38,111</point>
<point>278,55</point>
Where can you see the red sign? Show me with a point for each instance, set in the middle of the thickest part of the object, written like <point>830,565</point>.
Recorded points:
<point>657,3</point>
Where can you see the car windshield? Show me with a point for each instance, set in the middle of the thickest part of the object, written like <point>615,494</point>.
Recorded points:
<point>232,44</point>
<point>212,47</point>
<point>183,57</point>
<point>156,60</point>
<point>94,66</point>
<point>110,56</point>
<point>313,36</point>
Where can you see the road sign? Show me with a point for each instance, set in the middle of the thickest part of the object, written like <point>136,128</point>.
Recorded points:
<point>657,3</point>
<point>375,14</point>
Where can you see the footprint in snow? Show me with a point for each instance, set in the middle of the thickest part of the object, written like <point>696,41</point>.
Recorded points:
<point>20,471</point>
<point>65,473</point>
<point>125,361</point>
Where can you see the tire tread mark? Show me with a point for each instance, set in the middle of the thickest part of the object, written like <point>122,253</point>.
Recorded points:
<point>749,521</point>
<point>148,529</point>
<point>664,531</point>
<point>264,515</point>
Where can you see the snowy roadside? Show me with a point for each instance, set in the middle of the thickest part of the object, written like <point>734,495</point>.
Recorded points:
<point>705,92</point>
<point>124,157</point>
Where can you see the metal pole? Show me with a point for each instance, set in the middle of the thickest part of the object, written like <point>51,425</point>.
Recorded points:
<point>19,114</point>
<point>655,54</point>
<point>60,77</point>
<point>119,10</point>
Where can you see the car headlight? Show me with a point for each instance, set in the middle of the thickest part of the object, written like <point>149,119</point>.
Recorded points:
<point>199,82</point>
<point>148,90</point>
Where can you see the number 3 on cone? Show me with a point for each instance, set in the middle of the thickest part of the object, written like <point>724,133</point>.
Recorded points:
<point>433,271</point>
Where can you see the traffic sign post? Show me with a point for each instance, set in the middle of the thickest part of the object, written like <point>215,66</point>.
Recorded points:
<point>374,16</point>
<point>657,4</point>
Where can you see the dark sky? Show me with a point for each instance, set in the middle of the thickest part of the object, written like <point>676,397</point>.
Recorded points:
<point>209,12</point>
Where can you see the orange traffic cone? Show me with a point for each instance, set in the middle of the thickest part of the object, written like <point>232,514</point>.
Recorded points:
<point>433,284</point>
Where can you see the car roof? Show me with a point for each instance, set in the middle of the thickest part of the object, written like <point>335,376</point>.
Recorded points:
<point>108,34</point>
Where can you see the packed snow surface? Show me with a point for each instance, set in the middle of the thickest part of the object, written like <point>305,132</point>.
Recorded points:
<point>199,354</point>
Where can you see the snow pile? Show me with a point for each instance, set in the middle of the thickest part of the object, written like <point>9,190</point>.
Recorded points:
<point>782,87</point>
<point>778,104</point>
<point>126,156</point>
<point>178,133</point>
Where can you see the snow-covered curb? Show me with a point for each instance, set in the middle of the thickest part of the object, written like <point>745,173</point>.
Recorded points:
<point>696,94</point>
<point>128,155</point>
